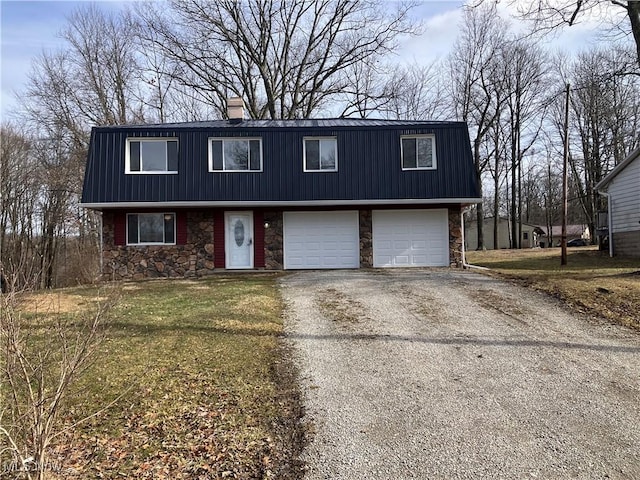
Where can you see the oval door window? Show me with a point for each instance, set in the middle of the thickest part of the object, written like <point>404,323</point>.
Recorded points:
<point>238,232</point>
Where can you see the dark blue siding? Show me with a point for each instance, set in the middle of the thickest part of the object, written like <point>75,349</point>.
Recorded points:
<point>369,166</point>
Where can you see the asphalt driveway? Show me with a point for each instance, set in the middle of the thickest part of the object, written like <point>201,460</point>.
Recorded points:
<point>450,374</point>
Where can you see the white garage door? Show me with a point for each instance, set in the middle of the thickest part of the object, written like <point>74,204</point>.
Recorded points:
<point>410,238</point>
<point>321,240</point>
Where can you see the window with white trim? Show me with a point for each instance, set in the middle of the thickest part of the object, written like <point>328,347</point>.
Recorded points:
<point>418,152</point>
<point>320,154</point>
<point>235,154</point>
<point>151,155</point>
<point>151,229</point>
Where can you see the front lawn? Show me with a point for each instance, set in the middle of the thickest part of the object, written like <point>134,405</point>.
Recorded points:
<point>591,282</point>
<point>209,391</point>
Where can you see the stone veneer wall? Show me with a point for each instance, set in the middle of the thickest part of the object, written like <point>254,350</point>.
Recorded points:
<point>455,237</point>
<point>195,258</point>
<point>273,245</point>
<point>366,239</point>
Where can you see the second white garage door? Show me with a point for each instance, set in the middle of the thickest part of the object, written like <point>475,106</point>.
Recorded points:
<point>321,240</point>
<point>410,238</point>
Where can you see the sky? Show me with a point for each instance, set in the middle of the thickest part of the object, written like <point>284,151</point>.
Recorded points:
<point>30,27</point>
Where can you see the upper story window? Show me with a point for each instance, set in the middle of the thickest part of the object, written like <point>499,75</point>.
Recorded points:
<point>151,229</point>
<point>235,155</point>
<point>320,154</point>
<point>418,152</point>
<point>152,155</point>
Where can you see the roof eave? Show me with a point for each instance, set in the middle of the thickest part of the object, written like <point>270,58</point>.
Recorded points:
<point>614,173</point>
<point>281,204</point>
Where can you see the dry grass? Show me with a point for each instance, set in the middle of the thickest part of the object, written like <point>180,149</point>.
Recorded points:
<point>591,282</point>
<point>56,302</point>
<point>209,389</point>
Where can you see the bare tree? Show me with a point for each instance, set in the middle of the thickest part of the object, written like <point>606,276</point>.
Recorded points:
<point>43,357</point>
<point>397,91</point>
<point>604,127</point>
<point>286,59</point>
<point>525,84</point>
<point>416,91</point>
<point>551,14</point>
<point>19,191</point>
<point>93,80</point>
<point>475,78</point>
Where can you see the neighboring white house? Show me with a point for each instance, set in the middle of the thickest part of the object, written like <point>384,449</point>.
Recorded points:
<point>530,234</point>
<point>622,189</point>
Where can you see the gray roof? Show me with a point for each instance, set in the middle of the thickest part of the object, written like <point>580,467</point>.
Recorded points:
<point>296,123</point>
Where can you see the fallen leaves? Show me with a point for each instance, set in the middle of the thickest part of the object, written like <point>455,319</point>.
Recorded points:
<point>205,402</point>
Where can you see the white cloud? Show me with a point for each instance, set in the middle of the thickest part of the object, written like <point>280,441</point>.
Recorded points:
<point>440,32</point>
<point>442,22</point>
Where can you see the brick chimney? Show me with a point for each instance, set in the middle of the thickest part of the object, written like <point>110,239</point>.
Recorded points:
<point>235,109</point>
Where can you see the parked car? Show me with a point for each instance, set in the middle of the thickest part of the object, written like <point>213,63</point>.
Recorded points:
<point>577,242</point>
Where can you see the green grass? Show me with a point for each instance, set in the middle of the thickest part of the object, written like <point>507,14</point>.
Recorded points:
<point>591,282</point>
<point>206,386</point>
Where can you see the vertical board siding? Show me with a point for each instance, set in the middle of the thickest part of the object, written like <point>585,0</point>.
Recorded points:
<point>258,240</point>
<point>218,239</point>
<point>369,166</point>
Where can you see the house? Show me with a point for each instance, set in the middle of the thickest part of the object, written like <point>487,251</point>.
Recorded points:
<point>530,234</point>
<point>573,232</point>
<point>186,199</point>
<point>622,189</point>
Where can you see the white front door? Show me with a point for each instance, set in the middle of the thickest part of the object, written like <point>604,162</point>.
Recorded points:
<point>239,239</point>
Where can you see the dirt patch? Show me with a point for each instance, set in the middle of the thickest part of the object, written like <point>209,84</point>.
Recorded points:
<point>336,306</point>
<point>492,300</point>
<point>291,435</point>
<point>422,304</point>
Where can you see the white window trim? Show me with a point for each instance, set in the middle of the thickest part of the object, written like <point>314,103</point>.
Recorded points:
<point>127,164</point>
<point>210,141</point>
<point>304,155</point>
<point>434,162</point>
<point>175,229</point>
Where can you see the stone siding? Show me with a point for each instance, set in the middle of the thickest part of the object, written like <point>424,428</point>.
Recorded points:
<point>273,244</point>
<point>196,257</point>
<point>131,262</point>
<point>455,237</point>
<point>366,239</point>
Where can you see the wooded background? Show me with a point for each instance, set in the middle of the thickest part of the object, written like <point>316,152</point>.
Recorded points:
<point>180,60</point>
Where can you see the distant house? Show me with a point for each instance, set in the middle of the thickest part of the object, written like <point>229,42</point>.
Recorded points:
<point>622,189</point>
<point>186,199</point>
<point>530,234</point>
<point>573,232</point>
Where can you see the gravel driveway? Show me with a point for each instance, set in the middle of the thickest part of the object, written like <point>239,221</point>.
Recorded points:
<point>450,374</point>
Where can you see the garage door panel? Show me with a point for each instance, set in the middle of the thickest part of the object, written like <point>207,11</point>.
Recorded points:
<point>403,238</point>
<point>321,240</point>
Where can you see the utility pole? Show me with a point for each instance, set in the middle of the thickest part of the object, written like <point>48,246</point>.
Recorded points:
<point>563,258</point>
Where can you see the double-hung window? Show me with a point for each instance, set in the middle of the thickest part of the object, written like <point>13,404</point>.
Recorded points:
<point>152,155</point>
<point>151,229</point>
<point>320,154</point>
<point>418,152</point>
<point>235,155</point>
